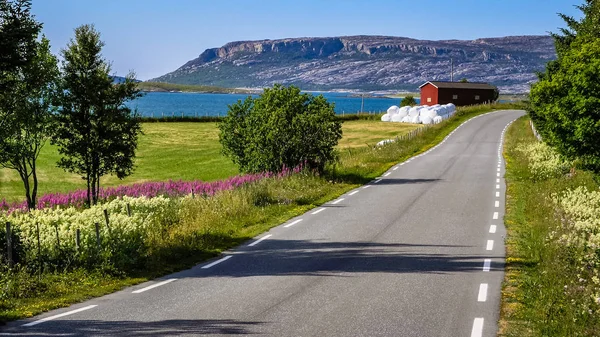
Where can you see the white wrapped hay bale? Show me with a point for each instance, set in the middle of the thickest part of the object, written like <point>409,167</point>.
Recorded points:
<point>393,110</point>
<point>404,111</point>
<point>405,119</point>
<point>414,111</point>
<point>385,118</point>
<point>437,119</point>
<point>426,119</point>
<point>415,119</point>
<point>397,118</point>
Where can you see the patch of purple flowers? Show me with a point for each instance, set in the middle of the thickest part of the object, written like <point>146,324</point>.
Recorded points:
<point>149,189</point>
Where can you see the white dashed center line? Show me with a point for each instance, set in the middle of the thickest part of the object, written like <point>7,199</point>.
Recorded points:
<point>223,259</point>
<point>486,264</point>
<point>387,174</point>
<point>490,245</point>
<point>497,194</point>
<point>153,286</point>
<point>495,217</point>
<point>353,193</point>
<point>477,330</point>
<point>318,211</point>
<point>295,222</point>
<point>338,201</point>
<point>493,229</point>
<point>59,315</point>
<point>483,288</point>
<point>261,239</point>
<point>497,203</point>
<point>378,180</point>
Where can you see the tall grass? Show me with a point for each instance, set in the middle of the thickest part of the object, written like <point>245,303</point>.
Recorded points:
<point>546,292</point>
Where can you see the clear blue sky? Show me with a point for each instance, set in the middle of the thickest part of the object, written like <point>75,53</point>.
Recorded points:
<point>153,37</point>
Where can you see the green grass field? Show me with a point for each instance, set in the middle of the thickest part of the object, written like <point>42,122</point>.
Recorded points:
<point>186,151</point>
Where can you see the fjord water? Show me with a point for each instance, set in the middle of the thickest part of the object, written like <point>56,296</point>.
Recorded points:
<point>159,104</point>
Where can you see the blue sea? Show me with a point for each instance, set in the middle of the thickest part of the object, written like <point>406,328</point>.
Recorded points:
<point>167,104</point>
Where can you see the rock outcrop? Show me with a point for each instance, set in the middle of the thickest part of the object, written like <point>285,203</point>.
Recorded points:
<point>368,62</point>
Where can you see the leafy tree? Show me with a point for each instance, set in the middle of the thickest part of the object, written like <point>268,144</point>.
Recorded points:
<point>281,128</point>
<point>408,100</point>
<point>464,80</point>
<point>18,33</point>
<point>96,133</point>
<point>27,109</point>
<point>565,102</point>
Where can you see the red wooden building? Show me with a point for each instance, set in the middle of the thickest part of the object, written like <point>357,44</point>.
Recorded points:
<point>458,93</point>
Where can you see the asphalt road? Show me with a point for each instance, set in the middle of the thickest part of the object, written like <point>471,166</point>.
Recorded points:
<point>418,253</point>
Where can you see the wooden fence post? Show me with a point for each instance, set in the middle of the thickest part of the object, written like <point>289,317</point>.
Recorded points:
<point>98,235</point>
<point>77,239</point>
<point>128,210</point>
<point>107,221</point>
<point>9,245</point>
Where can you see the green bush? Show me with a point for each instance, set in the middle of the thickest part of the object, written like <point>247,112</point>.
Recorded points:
<point>544,161</point>
<point>409,100</point>
<point>281,128</point>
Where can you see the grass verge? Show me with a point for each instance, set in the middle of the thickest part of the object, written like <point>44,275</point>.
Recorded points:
<point>207,226</point>
<point>537,299</point>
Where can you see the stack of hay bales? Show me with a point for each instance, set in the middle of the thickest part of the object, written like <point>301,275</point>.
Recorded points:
<point>422,114</point>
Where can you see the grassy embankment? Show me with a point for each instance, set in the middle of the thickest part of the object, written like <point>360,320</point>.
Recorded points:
<point>168,87</point>
<point>186,151</point>
<point>542,295</point>
<point>208,226</point>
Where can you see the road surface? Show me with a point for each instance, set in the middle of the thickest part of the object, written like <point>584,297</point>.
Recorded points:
<point>418,252</point>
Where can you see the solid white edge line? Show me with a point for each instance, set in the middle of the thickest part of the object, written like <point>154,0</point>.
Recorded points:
<point>493,229</point>
<point>353,193</point>
<point>293,223</point>
<point>495,217</point>
<point>497,203</point>
<point>318,211</point>
<point>477,330</point>
<point>387,174</point>
<point>490,245</point>
<point>153,286</point>
<point>217,262</point>
<point>261,239</point>
<point>486,264</point>
<point>59,315</point>
<point>482,296</point>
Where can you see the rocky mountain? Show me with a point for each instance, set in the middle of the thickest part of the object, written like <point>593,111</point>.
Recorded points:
<point>368,62</point>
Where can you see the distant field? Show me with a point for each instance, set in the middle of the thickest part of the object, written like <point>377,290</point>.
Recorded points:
<point>176,151</point>
<point>164,87</point>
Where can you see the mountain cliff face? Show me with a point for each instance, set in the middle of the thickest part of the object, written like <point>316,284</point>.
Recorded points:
<point>368,62</point>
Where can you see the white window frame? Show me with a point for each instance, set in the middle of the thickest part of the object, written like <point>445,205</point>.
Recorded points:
<point>454,96</point>
<point>428,99</point>
<point>477,97</point>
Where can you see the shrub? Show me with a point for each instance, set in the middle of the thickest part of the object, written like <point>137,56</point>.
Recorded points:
<point>544,161</point>
<point>281,128</point>
<point>409,100</point>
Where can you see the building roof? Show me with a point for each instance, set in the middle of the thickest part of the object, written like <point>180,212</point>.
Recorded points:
<point>459,85</point>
